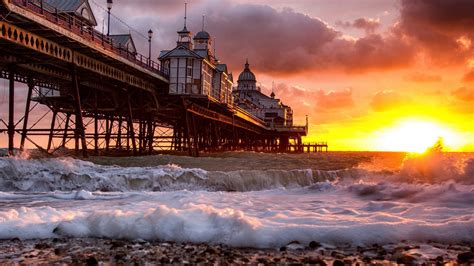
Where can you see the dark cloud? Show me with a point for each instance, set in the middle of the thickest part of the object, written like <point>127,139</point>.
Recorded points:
<point>388,99</point>
<point>423,77</point>
<point>469,76</point>
<point>286,42</point>
<point>443,29</point>
<point>368,24</point>
<point>464,94</point>
<point>154,6</point>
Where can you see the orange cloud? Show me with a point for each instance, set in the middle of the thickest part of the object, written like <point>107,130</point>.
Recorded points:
<point>388,99</point>
<point>464,94</point>
<point>469,76</point>
<point>423,77</point>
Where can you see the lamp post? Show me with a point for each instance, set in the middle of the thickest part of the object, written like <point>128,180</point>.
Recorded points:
<point>150,35</point>
<point>109,7</point>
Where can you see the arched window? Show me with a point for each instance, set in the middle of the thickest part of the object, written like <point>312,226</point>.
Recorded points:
<point>85,13</point>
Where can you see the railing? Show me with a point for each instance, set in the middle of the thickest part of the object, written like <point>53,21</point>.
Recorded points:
<point>77,26</point>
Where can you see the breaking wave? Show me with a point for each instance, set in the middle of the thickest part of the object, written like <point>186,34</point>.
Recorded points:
<point>67,174</point>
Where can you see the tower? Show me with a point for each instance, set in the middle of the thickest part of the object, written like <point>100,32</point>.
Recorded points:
<point>184,35</point>
<point>202,40</point>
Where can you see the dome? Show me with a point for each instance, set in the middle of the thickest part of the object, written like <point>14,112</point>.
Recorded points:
<point>202,35</point>
<point>247,74</point>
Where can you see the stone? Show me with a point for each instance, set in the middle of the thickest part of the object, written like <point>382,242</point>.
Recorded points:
<point>91,261</point>
<point>406,259</point>
<point>42,246</point>
<point>466,257</point>
<point>314,245</point>
<point>314,261</point>
<point>59,251</point>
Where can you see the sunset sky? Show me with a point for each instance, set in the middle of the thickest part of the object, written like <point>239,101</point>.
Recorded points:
<point>370,74</point>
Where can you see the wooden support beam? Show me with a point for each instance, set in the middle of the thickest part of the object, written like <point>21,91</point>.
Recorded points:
<point>80,130</point>
<point>51,132</point>
<point>24,132</point>
<point>11,113</point>
<point>131,130</point>
<point>66,127</point>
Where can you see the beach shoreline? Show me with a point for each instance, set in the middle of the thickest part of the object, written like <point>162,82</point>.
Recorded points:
<point>95,251</point>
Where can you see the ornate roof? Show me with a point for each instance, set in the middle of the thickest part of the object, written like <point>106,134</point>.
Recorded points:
<point>203,35</point>
<point>247,74</point>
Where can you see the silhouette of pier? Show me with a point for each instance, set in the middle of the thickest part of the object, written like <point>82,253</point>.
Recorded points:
<point>103,99</point>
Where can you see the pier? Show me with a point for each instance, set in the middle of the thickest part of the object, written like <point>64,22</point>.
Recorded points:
<point>102,98</point>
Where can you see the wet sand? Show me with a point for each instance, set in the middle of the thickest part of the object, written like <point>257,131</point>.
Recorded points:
<point>88,251</point>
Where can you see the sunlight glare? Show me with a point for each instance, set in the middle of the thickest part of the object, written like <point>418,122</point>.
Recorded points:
<point>414,136</point>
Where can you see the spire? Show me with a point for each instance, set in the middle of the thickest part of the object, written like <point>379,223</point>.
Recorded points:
<point>203,20</point>
<point>185,14</point>
<point>273,90</point>
<point>247,63</point>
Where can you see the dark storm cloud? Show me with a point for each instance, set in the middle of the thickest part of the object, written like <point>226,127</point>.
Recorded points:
<point>282,42</point>
<point>286,42</point>
<point>445,29</point>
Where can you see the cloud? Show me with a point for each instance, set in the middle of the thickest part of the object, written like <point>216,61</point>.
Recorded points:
<point>469,76</point>
<point>388,99</point>
<point>332,100</point>
<point>287,42</point>
<point>368,24</point>
<point>423,77</point>
<point>464,94</point>
<point>443,29</point>
<point>282,42</point>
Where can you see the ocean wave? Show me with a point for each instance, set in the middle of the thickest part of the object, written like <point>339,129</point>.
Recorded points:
<point>66,174</point>
<point>230,221</point>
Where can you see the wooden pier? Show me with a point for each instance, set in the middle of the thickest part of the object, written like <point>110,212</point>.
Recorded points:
<point>102,99</point>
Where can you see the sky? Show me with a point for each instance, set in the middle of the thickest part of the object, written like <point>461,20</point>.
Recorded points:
<point>369,74</point>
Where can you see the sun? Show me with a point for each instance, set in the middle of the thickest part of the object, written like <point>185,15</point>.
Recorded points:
<point>414,136</point>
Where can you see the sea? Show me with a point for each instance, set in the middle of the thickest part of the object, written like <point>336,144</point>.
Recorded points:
<point>242,199</point>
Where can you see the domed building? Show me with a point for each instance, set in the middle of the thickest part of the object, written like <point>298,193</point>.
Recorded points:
<point>249,97</point>
<point>194,68</point>
<point>247,80</point>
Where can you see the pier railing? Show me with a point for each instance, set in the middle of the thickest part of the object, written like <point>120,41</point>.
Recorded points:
<point>77,26</point>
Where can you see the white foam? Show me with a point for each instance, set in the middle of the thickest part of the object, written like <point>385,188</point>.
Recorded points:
<point>274,207</point>
<point>258,219</point>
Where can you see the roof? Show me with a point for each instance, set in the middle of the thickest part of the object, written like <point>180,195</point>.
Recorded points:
<point>62,5</point>
<point>179,51</point>
<point>222,67</point>
<point>124,41</point>
<point>203,35</point>
<point>72,6</point>
<point>247,74</point>
<point>184,30</point>
<point>121,39</point>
